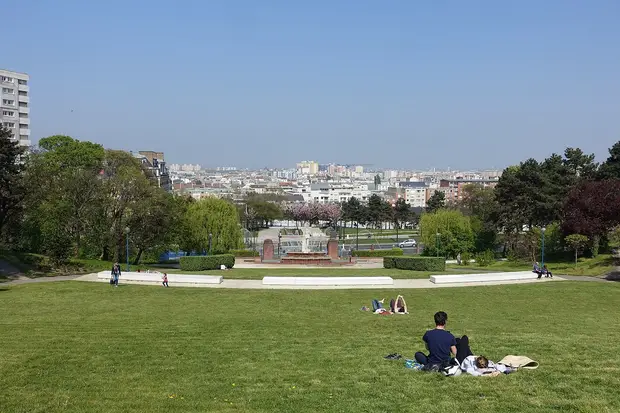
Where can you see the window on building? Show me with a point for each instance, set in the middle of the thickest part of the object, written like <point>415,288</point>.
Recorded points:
<point>8,90</point>
<point>7,79</point>
<point>8,113</point>
<point>23,137</point>
<point>23,126</point>
<point>8,102</point>
<point>23,104</point>
<point>22,82</point>
<point>23,115</point>
<point>9,124</point>
<point>22,93</point>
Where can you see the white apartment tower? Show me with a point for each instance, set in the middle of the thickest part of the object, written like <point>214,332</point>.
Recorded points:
<point>15,104</point>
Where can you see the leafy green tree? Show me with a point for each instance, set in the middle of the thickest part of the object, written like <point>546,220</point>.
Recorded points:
<point>354,210</point>
<point>577,243</point>
<point>12,190</point>
<point>446,233</point>
<point>378,210</point>
<point>579,164</point>
<point>610,169</point>
<point>211,216</point>
<point>480,204</point>
<point>63,186</point>
<point>436,202</point>
<point>152,221</point>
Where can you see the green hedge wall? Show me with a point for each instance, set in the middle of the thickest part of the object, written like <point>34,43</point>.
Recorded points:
<point>415,263</point>
<point>208,262</point>
<point>377,253</point>
<point>244,253</point>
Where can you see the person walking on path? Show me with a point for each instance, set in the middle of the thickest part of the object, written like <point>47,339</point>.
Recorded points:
<point>116,272</point>
<point>165,280</point>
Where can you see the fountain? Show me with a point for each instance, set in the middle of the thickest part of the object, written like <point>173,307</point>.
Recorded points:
<point>308,254</point>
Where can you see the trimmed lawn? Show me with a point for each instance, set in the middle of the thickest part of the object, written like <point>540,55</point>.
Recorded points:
<point>85,347</point>
<point>600,265</point>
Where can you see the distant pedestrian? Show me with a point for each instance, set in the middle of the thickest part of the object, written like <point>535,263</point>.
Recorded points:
<point>165,280</point>
<point>116,273</point>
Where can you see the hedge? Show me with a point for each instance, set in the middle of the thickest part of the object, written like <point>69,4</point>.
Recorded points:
<point>244,253</point>
<point>377,253</point>
<point>415,263</point>
<point>206,262</point>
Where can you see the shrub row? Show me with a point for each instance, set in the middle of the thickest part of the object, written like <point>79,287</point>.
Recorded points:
<point>415,263</point>
<point>377,253</point>
<point>206,262</point>
<point>244,253</point>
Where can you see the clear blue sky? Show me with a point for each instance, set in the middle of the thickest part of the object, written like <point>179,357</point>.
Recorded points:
<point>252,83</point>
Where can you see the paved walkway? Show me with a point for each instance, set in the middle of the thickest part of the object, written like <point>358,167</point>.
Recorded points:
<point>258,284</point>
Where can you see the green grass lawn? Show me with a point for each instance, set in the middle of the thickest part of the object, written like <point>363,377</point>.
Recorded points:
<point>86,347</point>
<point>600,265</point>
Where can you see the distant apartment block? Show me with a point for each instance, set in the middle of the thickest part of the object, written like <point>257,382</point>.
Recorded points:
<point>453,188</point>
<point>307,168</point>
<point>14,105</point>
<point>155,167</point>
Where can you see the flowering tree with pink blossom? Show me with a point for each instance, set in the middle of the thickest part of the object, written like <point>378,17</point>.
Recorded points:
<point>331,213</point>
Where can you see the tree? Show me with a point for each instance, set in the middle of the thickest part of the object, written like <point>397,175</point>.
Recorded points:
<point>152,222</point>
<point>63,186</point>
<point>610,169</point>
<point>354,210</point>
<point>592,208</point>
<point>577,243</point>
<point>401,214</point>
<point>579,164</point>
<point>446,233</point>
<point>11,183</point>
<point>436,202</point>
<point>480,204</point>
<point>378,210</point>
<point>215,217</point>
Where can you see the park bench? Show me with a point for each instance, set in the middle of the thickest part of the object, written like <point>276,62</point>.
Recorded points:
<point>333,281</point>
<point>485,277</point>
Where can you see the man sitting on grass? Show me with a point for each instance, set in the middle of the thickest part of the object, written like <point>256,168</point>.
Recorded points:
<point>440,344</point>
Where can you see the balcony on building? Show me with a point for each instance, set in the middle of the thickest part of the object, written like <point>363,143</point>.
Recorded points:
<point>22,98</point>
<point>23,88</point>
<point>25,132</point>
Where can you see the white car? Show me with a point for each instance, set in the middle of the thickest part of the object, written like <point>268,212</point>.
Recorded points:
<point>410,243</point>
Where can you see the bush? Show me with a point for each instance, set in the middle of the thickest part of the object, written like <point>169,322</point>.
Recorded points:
<point>207,262</point>
<point>244,253</point>
<point>415,263</point>
<point>486,258</point>
<point>466,258</point>
<point>377,253</point>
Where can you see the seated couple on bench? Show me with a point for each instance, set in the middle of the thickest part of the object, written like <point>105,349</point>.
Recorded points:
<point>441,344</point>
<point>542,271</point>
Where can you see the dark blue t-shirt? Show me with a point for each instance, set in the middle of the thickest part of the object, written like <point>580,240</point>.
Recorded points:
<point>439,343</point>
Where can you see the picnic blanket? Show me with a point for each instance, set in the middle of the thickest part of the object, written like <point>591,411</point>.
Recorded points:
<point>520,362</point>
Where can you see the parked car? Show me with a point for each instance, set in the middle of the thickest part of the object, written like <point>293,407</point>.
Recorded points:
<point>410,243</point>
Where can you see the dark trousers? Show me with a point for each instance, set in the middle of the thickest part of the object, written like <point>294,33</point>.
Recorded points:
<point>165,283</point>
<point>462,351</point>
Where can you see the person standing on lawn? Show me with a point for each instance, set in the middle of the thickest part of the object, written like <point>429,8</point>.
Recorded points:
<point>116,272</point>
<point>439,342</point>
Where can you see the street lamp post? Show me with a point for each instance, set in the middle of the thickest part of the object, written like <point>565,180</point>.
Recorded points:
<point>542,258</point>
<point>437,243</point>
<point>357,236</point>
<point>127,246</point>
<point>279,242</point>
<point>210,239</point>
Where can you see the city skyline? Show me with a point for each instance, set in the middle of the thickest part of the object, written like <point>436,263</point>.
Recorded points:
<point>400,85</point>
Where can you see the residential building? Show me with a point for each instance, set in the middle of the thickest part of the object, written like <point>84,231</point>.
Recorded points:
<point>453,188</point>
<point>14,104</point>
<point>307,168</point>
<point>155,166</point>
